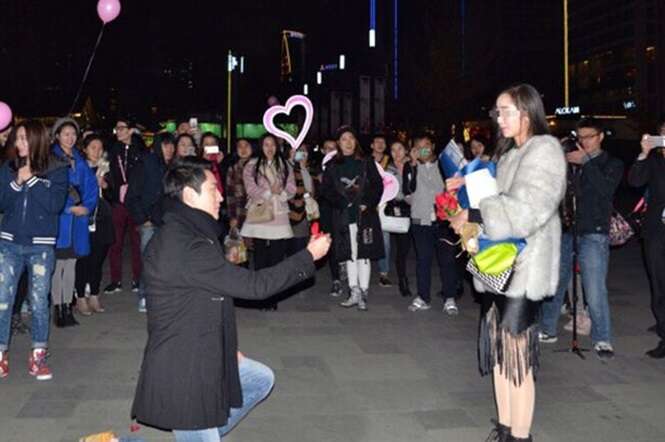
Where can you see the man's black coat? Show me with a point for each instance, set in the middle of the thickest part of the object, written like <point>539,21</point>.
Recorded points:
<point>189,376</point>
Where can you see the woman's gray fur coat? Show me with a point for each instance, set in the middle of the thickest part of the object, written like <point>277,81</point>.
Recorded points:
<point>531,180</point>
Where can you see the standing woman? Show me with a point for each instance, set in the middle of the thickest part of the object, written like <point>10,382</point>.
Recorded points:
<point>236,195</point>
<point>304,190</point>
<point>73,234</point>
<point>32,187</point>
<point>399,207</point>
<point>531,179</point>
<point>353,187</point>
<point>89,268</point>
<point>269,181</point>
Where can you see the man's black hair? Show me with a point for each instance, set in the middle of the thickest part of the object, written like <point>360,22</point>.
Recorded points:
<point>379,135</point>
<point>185,172</point>
<point>590,123</point>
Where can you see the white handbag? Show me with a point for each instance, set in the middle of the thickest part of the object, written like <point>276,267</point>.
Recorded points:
<point>393,224</point>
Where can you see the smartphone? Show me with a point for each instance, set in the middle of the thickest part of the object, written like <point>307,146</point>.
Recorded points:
<point>211,150</point>
<point>194,123</point>
<point>656,141</point>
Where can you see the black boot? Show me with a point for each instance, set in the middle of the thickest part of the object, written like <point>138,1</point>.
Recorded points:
<point>658,352</point>
<point>58,318</point>
<point>68,316</point>
<point>500,433</point>
<point>404,287</point>
<point>519,439</point>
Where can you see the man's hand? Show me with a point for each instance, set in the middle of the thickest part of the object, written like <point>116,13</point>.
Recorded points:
<point>240,356</point>
<point>318,246</point>
<point>646,145</point>
<point>458,221</point>
<point>577,157</point>
<point>78,211</point>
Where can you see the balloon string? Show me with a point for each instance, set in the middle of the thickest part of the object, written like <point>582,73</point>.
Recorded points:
<point>87,70</point>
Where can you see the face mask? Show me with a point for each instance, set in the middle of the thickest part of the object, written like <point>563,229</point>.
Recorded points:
<point>425,152</point>
<point>299,156</point>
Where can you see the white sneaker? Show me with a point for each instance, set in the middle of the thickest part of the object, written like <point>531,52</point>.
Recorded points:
<point>450,307</point>
<point>419,304</point>
<point>142,306</point>
<point>604,350</point>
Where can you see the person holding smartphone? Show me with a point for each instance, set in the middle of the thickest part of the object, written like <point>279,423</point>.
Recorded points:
<point>649,171</point>
<point>422,181</point>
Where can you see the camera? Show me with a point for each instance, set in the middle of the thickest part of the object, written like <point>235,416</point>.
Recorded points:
<point>569,142</point>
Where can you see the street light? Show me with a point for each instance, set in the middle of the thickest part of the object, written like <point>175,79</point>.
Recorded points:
<point>305,89</point>
<point>319,77</point>
<point>372,38</point>
<point>342,62</point>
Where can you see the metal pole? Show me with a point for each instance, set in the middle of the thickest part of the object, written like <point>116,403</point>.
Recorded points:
<point>566,84</point>
<point>229,72</point>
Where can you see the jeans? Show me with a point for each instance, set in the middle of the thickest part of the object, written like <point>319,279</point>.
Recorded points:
<point>384,263</point>
<point>428,244</point>
<point>256,381</point>
<point>146,232</point>
<point>40,261</point>
<point>594,257</point>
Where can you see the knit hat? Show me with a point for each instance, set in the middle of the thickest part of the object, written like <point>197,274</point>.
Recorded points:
<point>61,122</point>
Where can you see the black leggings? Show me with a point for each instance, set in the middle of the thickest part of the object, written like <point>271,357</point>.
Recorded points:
<point>403,242</point>
<point>89,269</point>
<point>268,252</point>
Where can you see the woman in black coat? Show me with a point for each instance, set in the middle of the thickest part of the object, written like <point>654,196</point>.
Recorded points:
<point>353,187</point>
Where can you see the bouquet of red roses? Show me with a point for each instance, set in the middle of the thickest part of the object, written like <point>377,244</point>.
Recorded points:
<point>447,205</point>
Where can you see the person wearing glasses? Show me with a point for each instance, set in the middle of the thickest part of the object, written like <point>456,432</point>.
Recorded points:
<point>598,176</point>
<point>124,155</point>
<point>531,180</point>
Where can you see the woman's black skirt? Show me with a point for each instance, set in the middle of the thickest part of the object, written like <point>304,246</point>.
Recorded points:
<point>508,336</point>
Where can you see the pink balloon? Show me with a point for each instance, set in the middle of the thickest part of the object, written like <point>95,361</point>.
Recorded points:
<point>5,115</point>
<point>108,10</point>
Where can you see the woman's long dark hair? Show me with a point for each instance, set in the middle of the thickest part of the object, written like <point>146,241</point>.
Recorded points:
<point>280,163</point>
<point>39,145</point>
<point>527,99</point>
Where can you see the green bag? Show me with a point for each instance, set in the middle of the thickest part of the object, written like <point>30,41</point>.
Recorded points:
<point>496,259</point>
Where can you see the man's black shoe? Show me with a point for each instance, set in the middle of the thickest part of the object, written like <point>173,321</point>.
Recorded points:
<point>113,287</point>
<point>658,352</point>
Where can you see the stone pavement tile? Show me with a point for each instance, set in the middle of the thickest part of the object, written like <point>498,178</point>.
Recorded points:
<point>443,419</point>
<point>279,331</point>
<point>304,381</point>
<point>380,348</point>
<point>107,391</point>
<point>375,367</point>
<point>371,427</point>
<point>37,430</point>
<point>13,398</point>
<point>394,396</point>
<point>575,395</point>
<point>593,421</point>
<point>305,361</point>
<point>57,391</point>
<point>37,408</point>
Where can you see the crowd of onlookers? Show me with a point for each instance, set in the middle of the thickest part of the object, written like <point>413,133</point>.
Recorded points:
<point>70,199</point>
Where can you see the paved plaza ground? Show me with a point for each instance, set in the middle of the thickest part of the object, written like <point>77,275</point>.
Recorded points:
<point>342,375</point>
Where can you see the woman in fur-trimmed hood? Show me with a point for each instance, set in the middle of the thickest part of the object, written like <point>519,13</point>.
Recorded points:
<point>531,181</point>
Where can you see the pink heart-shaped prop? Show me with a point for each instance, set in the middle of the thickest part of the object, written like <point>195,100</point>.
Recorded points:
<point>390,183</point>
<point>271,113</point>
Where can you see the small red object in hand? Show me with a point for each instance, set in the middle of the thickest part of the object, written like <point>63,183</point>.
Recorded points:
<point>447,205</point>
<point>314,228</point>
<point>133,428</point>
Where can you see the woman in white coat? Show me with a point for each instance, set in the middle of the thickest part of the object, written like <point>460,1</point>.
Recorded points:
<point>531,179</point>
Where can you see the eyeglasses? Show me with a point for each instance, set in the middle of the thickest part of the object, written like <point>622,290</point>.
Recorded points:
<point>120,127</point>
<point>504,113</point>
<point>587,137</point>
